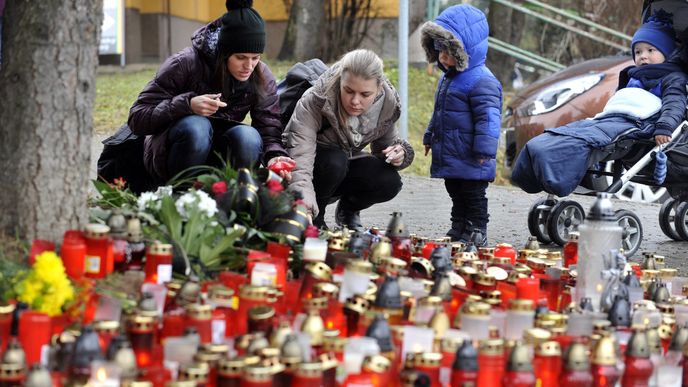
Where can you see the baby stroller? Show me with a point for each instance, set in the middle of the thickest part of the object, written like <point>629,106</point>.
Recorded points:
<point>552,220</point>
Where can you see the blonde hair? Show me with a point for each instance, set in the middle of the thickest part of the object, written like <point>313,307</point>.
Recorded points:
<point>362,63</point>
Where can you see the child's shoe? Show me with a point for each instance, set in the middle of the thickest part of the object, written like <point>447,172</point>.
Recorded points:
<point>456,232</point>
<point>479,237</point>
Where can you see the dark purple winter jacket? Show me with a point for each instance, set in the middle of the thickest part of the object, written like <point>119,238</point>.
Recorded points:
<point>191,72</point>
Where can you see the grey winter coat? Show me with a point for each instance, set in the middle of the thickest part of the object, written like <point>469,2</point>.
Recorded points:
<point>315,122</point>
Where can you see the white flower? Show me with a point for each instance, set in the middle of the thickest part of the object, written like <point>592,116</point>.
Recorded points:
<point>146,201</point>
<point>164,191</point>
<point>196,200</point>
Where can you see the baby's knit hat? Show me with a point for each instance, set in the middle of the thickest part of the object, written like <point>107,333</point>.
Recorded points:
<point>658,31</point>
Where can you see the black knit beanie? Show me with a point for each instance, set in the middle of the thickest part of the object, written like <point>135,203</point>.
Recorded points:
<point>242,30</point>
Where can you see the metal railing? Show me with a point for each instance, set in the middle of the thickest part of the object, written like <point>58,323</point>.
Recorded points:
<point>433,7</point>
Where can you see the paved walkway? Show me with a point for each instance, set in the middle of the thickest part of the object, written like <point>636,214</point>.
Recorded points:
<point>425,207</point>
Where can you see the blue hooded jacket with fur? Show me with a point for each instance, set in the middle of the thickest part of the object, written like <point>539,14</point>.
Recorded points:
<point>465,124</point>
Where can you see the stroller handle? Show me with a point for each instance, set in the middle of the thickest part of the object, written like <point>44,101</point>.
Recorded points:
<point>640,164</point>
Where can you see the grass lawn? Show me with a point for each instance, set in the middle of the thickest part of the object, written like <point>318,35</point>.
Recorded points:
<point>117,89</point>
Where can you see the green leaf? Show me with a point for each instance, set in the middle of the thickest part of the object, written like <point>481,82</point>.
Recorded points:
<point>171,218</point>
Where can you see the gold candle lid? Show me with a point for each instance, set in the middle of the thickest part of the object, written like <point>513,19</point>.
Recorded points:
<point>427,359</point>
<point>317,303</point>
<point>325,289</point>
<point>650,273</point>
<point>476,309</point>
<point>96,231</point>
<point>360,266</point>
<point>521,305</point>
<point>357,304</point>
<point>430,301</point>
<point>554,255</point>
<point>157,248</point>
<point>376,363</point>
<point>199,312</point>
<point>141,323</point>
<point>258,373</point>
<point>536,263</point>
<point>535,336</point>
<point>220,294</point>
<point>484,279</point>
<point>193,371</point>
<point>667,273</point>
<point>253,292</point>
<point>393,264</point>
<point>310,370</point>
<point>493,297</point>
<point>491,347</point>
<point>320,271</point>
<point>336,243</point>
<point>548,349</point>
<point>523,269</point>
<point>500,261</point>
<point>106,326</point>
<point>314,326</point>
<point>261,312</point>
<point>604,352</point>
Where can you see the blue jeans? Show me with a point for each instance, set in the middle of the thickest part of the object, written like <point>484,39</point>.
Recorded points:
<point>194,140</point>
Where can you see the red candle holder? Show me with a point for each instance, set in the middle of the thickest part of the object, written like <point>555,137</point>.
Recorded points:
<point>491,362</point>
<point>402,248</point>
<point>552,287</point>
<point>158,267</point>
<point>429,363</point>
<point>249,297</point>
<point>107,330</point>
<point>257,376</point>
<point>173,323</point>
<point>34,333</point>
<point>547,363</point>
<point>37,247</point>
<point>505,250</point>
<point>229,372</point>
<point>6,312</point>
<point>200,317</point>
<point>141,331</point>
<point>308,375</point>
<point>528,288</point>
<point>99,255</point>
<point>12,374</point>
<point>73,254</point>
<point>571,250</point>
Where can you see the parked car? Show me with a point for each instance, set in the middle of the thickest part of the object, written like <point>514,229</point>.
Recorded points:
<point>575,93</point>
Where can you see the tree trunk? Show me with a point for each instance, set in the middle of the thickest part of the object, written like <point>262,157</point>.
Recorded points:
<point>287,49</point>
<point>47,89</point>
<point>310,28</point>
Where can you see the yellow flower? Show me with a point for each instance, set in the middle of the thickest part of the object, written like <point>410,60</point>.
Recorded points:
<point>46,288</point>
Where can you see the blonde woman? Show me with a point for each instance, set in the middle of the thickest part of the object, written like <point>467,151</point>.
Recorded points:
<point>351,106</point>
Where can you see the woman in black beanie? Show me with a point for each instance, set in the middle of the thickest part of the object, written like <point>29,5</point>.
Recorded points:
<point>195,104</point>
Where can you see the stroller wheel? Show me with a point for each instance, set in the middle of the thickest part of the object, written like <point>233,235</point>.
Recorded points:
<point>537,219</point>
<point>667,218</point>
<point>632,233</point>
<point>681,220</point>
<point>564,217</point>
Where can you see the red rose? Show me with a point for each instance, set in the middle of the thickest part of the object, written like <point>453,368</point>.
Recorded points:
<point>275,186</point>
<point>220,187</point>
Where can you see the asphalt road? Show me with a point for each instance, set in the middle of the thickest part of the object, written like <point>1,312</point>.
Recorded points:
<point>425,207</point>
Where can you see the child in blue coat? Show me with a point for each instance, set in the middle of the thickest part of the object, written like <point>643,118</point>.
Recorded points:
<point>464,130</point>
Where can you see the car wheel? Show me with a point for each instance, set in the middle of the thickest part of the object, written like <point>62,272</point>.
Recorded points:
<point>632,231</point>
<point>637,192</point>
<point>564,217</point>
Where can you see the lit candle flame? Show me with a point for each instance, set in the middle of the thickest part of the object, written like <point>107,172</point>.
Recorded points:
<point>101,374</point>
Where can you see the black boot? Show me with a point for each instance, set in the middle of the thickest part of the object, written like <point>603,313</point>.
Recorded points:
<point>347,218</point>
<point>457,229</point>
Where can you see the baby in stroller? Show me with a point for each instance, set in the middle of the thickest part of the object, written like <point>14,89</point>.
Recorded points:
<point>649,104</point>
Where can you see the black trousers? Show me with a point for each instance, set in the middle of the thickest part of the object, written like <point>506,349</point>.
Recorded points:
<point>358,183</point>
<point>469,203</point>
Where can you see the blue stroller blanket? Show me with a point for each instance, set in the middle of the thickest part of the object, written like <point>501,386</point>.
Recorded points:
<point>557,160</point>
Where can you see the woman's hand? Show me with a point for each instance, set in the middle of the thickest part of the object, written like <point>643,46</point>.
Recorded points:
<point>207,104</point>
<point>427,149</point>
<point>284,170</point>
<point>394,154</point>
<point>661,139</point>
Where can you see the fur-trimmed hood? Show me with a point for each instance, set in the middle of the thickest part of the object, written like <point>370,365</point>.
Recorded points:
<point>463,30</point>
